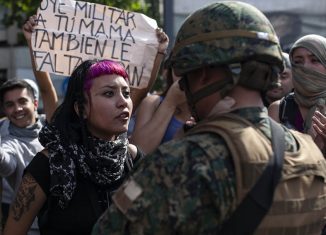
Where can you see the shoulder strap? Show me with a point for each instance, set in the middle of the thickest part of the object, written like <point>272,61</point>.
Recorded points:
<point>282,109</point>
<point>287,110</point>
<point>258,201</point>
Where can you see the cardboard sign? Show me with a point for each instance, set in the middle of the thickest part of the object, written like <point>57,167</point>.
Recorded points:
<point>69,32</point>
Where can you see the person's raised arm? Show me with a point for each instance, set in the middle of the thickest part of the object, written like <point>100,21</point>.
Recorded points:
<point>47,90</point>
<point>153,118</point>
<point>28,202</point>
<point>137,95</point>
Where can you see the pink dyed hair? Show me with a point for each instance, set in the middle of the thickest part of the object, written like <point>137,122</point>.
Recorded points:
<point>104,67</point>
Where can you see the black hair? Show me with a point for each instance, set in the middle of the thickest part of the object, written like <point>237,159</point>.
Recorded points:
<point>71,125</point>
<point>13,84</point>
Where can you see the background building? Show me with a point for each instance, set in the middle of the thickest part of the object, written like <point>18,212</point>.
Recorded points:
<point>291,18</point>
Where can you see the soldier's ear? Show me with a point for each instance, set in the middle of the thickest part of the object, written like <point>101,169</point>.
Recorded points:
<point>197,75</point>
<point>203,75</point>
<point>213,74</point>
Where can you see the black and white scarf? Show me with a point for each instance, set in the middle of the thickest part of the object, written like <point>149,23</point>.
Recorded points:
<point>102,166</point>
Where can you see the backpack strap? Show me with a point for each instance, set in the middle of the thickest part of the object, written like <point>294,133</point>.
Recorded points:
<point>259,199</point>
<point>281,113</point>
<point>288,110</point>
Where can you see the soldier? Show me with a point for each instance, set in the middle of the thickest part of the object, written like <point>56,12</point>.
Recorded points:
<point>196,184</point>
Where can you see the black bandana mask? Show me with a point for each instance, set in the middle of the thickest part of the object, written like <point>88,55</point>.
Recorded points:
<point>103,166</point>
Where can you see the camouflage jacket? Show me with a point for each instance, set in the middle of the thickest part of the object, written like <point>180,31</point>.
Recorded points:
<point>179,189</point>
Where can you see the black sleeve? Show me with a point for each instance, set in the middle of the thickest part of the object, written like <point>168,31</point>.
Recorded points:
<point>130,161</point>
<point>140,154</point>
<point>40,170</point>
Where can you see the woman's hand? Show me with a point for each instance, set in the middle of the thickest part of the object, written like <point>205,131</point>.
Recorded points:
<point>225,105</point>
<point>318,132</point>
<point>163,39</point>
<point>175,96</point>
<point>28,27</point>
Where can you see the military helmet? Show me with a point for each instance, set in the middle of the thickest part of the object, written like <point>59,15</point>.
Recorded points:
<point>287,62</point>
<point>222,33</point>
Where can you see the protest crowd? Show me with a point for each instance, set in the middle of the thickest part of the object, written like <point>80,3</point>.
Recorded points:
<point>235,143</point>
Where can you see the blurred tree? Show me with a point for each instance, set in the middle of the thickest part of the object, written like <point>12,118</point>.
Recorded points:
<point>17,11</point>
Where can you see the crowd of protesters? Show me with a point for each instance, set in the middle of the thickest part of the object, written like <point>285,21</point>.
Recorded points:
<point>235,144</point>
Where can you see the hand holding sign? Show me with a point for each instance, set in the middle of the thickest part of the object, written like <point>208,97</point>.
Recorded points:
<point>69,32</point>
<point>163,39</point>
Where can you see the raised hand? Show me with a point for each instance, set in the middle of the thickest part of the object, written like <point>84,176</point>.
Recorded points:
<point>28,28</point>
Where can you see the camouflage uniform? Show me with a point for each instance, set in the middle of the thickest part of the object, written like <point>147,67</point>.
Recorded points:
<point>183,191</point>
<point>188,186</point>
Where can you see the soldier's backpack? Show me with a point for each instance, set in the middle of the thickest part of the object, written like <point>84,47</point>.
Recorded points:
<point>298,205</point>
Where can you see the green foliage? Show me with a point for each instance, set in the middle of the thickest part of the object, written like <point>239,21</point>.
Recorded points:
<point>17,11</point>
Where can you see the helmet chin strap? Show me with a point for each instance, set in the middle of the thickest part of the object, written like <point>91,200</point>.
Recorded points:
<point>222,86</point>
